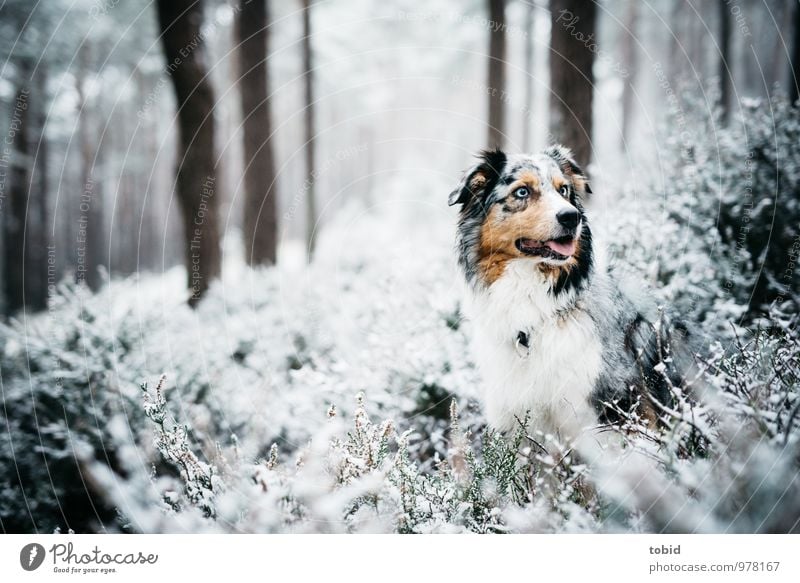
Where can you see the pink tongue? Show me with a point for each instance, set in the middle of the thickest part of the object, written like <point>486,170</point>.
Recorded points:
<point>566,249</point>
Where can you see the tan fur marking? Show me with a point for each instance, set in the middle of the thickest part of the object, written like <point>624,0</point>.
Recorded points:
<point>530,178</point>
<point>578,181</point>
<point>477,182</point>
<point>500,233</point>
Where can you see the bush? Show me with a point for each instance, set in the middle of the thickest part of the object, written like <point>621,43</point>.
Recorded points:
<point>736,190</point>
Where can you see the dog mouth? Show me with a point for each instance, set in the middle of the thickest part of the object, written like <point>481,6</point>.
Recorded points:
<point>560,248</point>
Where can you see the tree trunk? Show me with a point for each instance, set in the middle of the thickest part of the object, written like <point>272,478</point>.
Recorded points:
<point>527,124</point>
<point>676,56</point>
<point>571,76</point>
<point>794,64</point>
<point>630,59</point>
<point>497,73</point>
<point>694,31</point>
<point>16,204</point>
<point>311,203</point>
<point>91,245</point>
<point>725,60</point>
<point>180,23</point>
<point>37,234</point>
<point>778,63</point>
<point>260,205</point>
<point>24,206</point>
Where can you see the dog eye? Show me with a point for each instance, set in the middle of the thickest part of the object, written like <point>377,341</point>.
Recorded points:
<point>564,190</point>
<point>522,192</point>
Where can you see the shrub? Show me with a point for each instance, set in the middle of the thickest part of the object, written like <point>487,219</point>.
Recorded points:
<point>737,191</point>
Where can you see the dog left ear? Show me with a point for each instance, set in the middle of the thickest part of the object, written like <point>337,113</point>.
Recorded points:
<point>477,179</point>
<point>563,157</point>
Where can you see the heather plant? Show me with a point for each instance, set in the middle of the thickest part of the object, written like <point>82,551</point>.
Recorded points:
<point>726,216</point>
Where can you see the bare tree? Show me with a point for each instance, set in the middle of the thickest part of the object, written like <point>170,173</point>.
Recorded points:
<point>724,59</point>
<point>783,12</point>
<point>260,205</point>
<point>675,54</point>
<point>91,200</point>
<point>24,208</point>
<point>693,30</point>
<point>497,72</point>
<point>571,76</point>
<point>630,58</point>
<point>180,23</point>
<point>794,63</point>
<point>311,203</point>
<point>529,59</point>
<point>15,214</point>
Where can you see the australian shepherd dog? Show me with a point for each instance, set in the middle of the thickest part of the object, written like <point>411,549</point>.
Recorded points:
<point>556,338</point>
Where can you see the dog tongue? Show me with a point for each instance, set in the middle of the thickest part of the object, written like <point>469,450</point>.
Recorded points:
<point>567,249</point>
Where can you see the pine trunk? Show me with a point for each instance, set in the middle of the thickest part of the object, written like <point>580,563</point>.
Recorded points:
<point>311,203</point>
<point>497,73</point>
<point>630,58</point>
<point>725,60</point>
<point>571,76</point>
<point>24,206</point>
<point>91,247</point>
<point>794,64</point>
<point>180,23</point>
<point>260,204</point>
<point>15,213</point>
<point>527,124</point>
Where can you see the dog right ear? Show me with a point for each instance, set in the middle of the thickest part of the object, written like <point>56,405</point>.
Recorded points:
<point>475,181</point>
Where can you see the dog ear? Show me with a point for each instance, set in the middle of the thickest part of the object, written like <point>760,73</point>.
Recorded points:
<point>479,177</point>
<point>563,157</point>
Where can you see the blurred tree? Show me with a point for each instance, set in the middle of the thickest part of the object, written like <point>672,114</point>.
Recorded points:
<point>674,54</point>
<point>783,12</point>
<point>16,200</point>
<point>91,205</point>
<point>529,59</point>
<point>695,32</point>
<point>260,206</point>
<point>37,234</point>
<point>497,73</point>
<point>572,51</point>
<point>794,63</point>
<point>311,203</point>
<point>630,61</point>
<point>181,23</point>
<point>725,80</point>
<point>23,166</point>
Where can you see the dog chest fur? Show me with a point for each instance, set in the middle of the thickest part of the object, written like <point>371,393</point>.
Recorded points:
<point>555,379</point>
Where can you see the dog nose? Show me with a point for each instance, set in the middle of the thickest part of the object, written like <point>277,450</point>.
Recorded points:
<point>568,218</point>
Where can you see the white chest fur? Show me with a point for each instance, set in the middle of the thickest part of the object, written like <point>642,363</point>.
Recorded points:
<point>555,380</point>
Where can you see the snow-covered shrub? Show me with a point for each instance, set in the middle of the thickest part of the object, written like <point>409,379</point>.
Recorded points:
<point>364,477</point>
<point>62,405</point>
<point>715,223</point>
<point>736,190</point>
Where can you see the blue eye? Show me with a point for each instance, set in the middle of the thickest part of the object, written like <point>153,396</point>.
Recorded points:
<point>564,190</point>
<point>522,192</point>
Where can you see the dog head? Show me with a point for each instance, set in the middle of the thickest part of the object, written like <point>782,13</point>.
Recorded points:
<point>524,207</point>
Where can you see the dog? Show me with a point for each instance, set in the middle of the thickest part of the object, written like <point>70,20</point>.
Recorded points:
<point>556,339</point>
